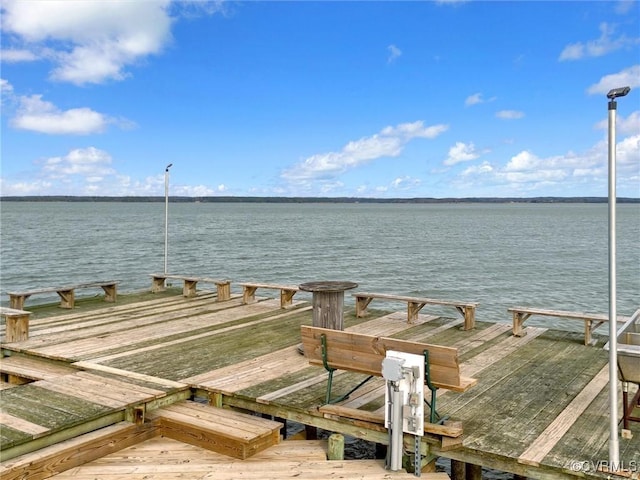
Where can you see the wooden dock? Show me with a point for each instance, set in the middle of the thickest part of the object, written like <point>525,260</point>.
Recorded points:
<point>107,377</point>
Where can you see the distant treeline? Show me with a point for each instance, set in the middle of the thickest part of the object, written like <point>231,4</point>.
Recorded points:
<point>230,199</point>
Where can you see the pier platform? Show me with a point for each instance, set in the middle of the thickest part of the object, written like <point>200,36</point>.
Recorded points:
<point>539,409</point>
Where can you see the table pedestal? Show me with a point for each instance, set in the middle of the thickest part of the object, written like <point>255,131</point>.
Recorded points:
<point>328,302</point>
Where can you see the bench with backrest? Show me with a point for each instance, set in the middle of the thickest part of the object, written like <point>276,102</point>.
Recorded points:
<point>16,324</point>
<point>415,304</point>
<point>591,320</point>
<point>355,352</point>
<point>286,292</point>
<point>66,293</point>
<point>190,283</point>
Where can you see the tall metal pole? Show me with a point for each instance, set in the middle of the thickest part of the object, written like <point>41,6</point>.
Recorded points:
<point>166,216</point>
<point>614,445</point>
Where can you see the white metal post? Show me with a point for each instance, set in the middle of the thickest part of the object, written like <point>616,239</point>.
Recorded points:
<point>614,444</point>
<point>614,448</point>
<point>166,216</point>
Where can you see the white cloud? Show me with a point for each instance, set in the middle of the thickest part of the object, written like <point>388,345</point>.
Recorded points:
<point>596,48</point>
<point>473,99</point>
<point>405,183</point>
<point>527,173</point>
<point>394,53</point>
<point>509,114</point>
<point>624,125</point>
<point>461,152</point>
<point>192,191</point>
<point>17,55</point>
<point>628,154</point>
<point>481,169</point>
<point>476,99</point>
<point>5,87</point>
<point>628,77</point>
<point>389,142</point>
<point>89,42</point>
<point>24,188</point>
<point>37,115</point>
<point>522,161</point>
<point>89,162</point>
<point>625,6</point>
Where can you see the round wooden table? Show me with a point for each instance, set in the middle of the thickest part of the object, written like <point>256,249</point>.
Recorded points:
<point>328,302</point>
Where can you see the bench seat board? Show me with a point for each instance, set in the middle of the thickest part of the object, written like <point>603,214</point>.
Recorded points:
<point>566,314</point>
<point>364,354</point>
<point>287,292</point>
<point>65,292</point>
<point>190,284</point>
<point>415,304</point>
<point>403,298</point>
<point>591,320</point>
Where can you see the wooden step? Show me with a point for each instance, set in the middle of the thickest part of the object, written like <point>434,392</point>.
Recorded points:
<point>22,369</point>
<point>224,431</point>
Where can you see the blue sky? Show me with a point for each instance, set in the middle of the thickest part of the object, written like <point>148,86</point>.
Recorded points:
<point>367,99</point>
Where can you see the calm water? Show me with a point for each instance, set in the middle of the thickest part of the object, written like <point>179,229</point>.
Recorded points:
<point>547,255</point>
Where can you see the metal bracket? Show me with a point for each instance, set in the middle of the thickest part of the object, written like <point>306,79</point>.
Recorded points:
<point>417,458</point>
<point>433,417</point>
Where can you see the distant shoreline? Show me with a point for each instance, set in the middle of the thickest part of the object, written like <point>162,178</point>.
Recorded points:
<point>231,199</point>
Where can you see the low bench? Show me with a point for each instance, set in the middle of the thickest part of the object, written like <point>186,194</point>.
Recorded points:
<point>16,324</point>
<point>286,292</point>
<point>415,304</point>
<point>190,282</point>
<point>591,321</point>
<point>66,293</point>
<point>355,352</point>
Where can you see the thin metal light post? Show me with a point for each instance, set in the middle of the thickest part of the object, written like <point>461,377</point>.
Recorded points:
<point>614,444</point>
<point>166,216</point>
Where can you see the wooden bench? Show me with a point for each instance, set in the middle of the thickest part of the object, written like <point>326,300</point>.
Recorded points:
<point>66,293</point>
<point>591,321</point>
<point>286,292</point>
<point>415,304</point>
<point>16,324</point>
<point>190,282</point>
<point>355,352</point>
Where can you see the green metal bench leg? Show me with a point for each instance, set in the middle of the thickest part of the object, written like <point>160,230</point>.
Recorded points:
<point>427,378</point>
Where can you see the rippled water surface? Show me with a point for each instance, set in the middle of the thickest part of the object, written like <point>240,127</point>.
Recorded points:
<point>501,255</point>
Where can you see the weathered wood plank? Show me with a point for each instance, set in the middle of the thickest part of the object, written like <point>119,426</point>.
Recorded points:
<point>86,348</point>
<point>536,451</point>
<point>125,374</point>
<point>101,390</point>
<point>34,368</point>
<point>258,470</point>
<point>163,450</point>
<point>77,451</point>
<point>378,418</point>
<point>89,326</point>
<point>217,349</point>
<point>21,424</point>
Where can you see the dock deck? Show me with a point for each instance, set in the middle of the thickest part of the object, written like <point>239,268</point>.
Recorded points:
<point>539,409</point>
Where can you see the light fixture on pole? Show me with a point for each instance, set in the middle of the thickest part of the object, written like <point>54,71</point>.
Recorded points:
<point>614,448</point>
<point>166,215</point>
